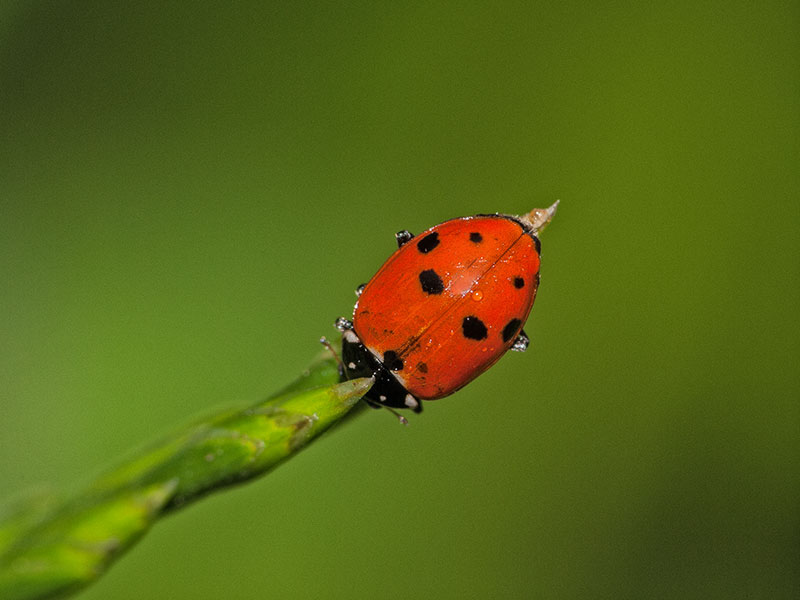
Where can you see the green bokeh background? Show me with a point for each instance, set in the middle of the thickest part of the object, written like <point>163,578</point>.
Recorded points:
<point>189,195</point>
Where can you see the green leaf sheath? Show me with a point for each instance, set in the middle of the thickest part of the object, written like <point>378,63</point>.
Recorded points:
<point>49,550</point>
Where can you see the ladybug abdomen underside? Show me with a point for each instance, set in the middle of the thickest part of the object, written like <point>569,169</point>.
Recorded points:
<point>449,304</point>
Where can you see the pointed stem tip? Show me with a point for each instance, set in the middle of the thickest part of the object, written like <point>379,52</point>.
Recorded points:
<point>538,218</point>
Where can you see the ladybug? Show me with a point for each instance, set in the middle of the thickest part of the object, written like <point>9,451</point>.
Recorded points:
<point>444,307</point>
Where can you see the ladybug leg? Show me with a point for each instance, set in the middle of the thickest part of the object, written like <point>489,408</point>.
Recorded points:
<point>343,325</point>
<point>521,343</point>
<point>403,237</point>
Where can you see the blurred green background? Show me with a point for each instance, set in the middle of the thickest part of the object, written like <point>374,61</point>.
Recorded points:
<point>190,193</point>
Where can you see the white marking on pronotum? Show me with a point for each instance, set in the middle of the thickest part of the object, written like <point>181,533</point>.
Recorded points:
<point>411,402</point>
<point>382,398</point>
<point>351,365</point>
<point>351,337</point>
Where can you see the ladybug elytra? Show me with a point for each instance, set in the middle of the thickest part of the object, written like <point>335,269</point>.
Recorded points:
<point>444,307</point>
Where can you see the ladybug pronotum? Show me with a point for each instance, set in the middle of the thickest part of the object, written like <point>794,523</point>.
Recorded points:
<point>444,307</point>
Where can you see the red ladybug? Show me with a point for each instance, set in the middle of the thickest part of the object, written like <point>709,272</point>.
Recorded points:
<point>444,307</point>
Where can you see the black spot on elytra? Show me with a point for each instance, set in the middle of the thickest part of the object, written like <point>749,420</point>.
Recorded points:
<point>473,328</point>
<point>538,244</point>
<point>475,237</point>
<point>519,283</point>
<point>510,330</point>
<point>431,282</point>
<point>422,367</point>
<point>428,243</point>
<point>391,361</point>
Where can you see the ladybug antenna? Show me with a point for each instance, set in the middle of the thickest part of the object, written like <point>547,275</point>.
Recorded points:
<point>400,417</point>
<point>538,218</point>
<point>324,341</point>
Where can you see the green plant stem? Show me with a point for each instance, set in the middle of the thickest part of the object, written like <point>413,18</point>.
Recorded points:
<point>50,550</point>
